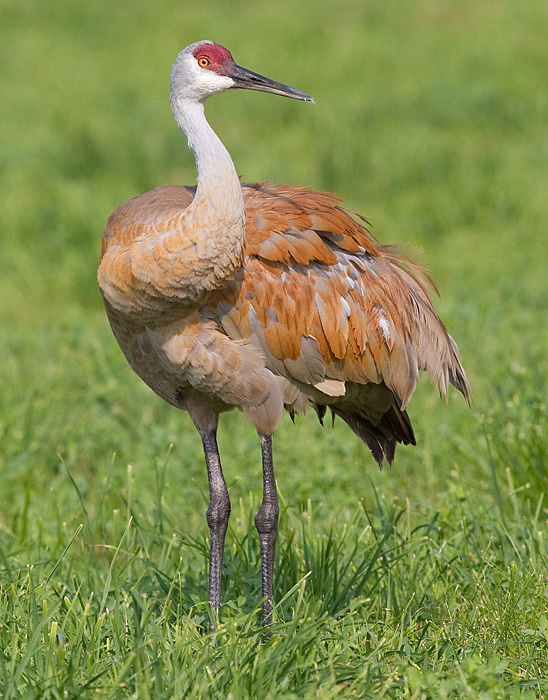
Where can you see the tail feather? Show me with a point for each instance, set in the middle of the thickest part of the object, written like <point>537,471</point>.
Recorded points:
<point>457,377</point>
<point>381,439</point>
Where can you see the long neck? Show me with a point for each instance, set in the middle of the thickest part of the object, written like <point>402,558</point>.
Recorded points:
<point>219,193</point>
<point>211,234</point>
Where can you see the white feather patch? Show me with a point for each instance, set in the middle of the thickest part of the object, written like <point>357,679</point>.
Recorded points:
<point>345,306</point>
<point>331,387</point>
<point>384,327</point>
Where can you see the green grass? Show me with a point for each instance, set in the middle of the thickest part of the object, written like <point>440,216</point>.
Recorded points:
<point>425,581</point>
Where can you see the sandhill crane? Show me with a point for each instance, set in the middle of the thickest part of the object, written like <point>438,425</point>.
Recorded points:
<point>264,297</point>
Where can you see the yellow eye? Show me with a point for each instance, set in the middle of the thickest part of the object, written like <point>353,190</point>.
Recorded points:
<point>203,62</point>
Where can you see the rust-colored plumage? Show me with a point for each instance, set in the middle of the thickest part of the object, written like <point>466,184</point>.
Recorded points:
<point>266,297</point>
<point>336,318</point>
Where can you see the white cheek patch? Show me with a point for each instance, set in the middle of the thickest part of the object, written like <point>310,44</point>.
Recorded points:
<point>215,82</point>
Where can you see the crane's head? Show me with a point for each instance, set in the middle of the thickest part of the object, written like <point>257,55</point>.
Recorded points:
<point>204,69</point>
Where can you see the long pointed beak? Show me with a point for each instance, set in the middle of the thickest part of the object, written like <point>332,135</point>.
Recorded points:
<point>247,80</point>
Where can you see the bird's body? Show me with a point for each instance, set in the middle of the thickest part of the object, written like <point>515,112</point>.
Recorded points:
<point>311,310</point>
<point>264,297</point>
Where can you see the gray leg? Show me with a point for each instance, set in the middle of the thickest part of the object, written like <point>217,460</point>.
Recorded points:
<point>217,515</point>
<point>266,522</point>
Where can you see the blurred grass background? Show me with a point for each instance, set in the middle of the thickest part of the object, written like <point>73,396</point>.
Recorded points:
<point>431,120</point>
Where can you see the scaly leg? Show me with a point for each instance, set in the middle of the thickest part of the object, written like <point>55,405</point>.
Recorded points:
<point>217,515</point>
<point>266,522</point>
